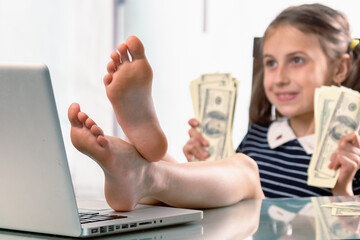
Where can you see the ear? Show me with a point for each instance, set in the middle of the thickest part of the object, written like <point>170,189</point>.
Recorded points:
<point>342,68</point>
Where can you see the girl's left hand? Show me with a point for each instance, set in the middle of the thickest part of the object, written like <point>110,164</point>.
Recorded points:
<point>347,158</point>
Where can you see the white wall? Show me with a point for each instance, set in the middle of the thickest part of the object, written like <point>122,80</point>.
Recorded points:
<point>75,37</point>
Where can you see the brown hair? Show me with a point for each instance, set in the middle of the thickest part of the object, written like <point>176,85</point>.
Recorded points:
<point>334,35</point>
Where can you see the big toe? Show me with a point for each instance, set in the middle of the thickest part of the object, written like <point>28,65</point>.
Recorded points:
<point>73,112</point>
<point>136,48</point>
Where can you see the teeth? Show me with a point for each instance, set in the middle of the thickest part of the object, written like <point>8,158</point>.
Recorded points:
<point>285,95</point>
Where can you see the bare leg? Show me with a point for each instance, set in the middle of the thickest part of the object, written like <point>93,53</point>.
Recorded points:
<point>129,177</point>
<point>128,86</point>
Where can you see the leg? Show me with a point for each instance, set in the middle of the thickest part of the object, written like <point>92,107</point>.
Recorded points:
<point>128,86</point>
<point>129,178</point>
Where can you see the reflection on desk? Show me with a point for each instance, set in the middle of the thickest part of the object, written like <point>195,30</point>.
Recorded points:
<point>287,218</point>
<point>305,218</point>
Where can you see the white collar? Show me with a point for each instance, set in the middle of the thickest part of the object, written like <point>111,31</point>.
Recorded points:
<point>280,132</point>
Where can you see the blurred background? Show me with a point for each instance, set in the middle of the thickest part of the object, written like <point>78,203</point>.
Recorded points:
<point>183,39</point>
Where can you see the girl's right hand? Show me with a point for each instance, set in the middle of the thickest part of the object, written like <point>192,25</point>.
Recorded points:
<point>196,145</point>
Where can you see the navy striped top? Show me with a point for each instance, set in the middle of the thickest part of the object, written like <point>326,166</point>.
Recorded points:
<point>283,170</point>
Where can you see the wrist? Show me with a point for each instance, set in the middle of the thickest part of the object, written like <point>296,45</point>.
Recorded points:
<point>342,191</point>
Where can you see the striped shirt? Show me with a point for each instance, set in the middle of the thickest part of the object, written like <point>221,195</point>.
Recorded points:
<point>283,170</point>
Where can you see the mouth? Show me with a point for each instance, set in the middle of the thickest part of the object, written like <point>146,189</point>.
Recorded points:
<point>285,97</point>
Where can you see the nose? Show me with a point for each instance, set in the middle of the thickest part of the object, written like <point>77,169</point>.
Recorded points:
<point>281,76</point>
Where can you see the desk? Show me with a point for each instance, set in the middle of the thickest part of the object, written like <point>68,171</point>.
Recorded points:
<point>296,218</point>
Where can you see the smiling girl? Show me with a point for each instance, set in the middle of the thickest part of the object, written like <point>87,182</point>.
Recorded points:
<point>304,48</point>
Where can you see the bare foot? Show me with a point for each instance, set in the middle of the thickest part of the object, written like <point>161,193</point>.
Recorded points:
<point>126,180</point>
<point>128,86</point>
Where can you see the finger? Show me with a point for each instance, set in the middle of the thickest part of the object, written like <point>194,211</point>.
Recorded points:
<point>187,149</point>
<point>346,146</point>
<point>349,159</point>
<point>194,134</point>
<point>356,141</point>
<point>189,157</point>
<point>193,148</point>
<point>199,151</point>
<point>352,138</point>
<point>190,152</point>
<point>193,122</point>
<point>334,161</point>
<point>205,154</point>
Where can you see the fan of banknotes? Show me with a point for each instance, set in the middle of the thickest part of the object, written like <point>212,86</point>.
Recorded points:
<point>214,98</point>
<point>337,113</point>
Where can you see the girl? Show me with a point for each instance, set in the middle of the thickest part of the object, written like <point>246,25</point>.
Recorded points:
<point>304,48</point>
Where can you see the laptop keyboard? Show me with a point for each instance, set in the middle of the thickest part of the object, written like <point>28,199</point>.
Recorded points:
<point>91,217</point>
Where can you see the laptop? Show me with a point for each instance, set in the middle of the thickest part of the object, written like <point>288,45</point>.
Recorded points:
<point>37,194</point>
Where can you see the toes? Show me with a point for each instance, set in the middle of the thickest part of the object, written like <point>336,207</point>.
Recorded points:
<point>111,67</point>
<point>89,123</point>
<point>123,50</point>
<point>102,141</point>
<point>135,47</point>
<point>107,79</point>
<point>73,112</point>
<point>82,117</point>
<point>115,57</point>
<point>96,130</point>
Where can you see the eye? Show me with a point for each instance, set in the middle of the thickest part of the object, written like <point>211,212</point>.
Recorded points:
<point>297,60</point>
<point>270,63</point>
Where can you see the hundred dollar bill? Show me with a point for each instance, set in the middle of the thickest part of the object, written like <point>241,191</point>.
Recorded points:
<point>198,88</point>
<point>325,105</point>
<point>216,119</point>
<point>327,98</point>
<point>320,180</point>
<point>345,119</point>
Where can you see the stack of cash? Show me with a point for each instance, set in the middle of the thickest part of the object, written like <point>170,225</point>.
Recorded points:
<point>214,98</point>
<point>336,113</point>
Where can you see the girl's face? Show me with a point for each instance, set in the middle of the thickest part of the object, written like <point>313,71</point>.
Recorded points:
<point>294,65</point>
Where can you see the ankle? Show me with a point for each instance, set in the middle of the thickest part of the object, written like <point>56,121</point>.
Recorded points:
<point>154,180</point>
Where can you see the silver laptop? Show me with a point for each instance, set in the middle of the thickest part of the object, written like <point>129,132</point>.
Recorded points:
<point>37,194</point>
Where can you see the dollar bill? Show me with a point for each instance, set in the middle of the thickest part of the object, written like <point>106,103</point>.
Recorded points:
<point>215,119</point>
<point>214,97</point>
<point>336,113</point>
<point>345,119</point>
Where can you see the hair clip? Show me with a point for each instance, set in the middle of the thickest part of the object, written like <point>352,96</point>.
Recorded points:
<point>353,44</point>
